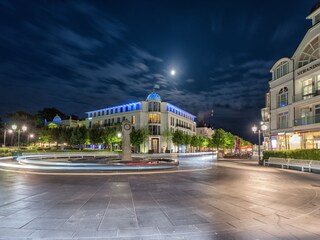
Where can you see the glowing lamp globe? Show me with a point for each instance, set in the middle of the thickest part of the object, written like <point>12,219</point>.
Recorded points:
<point>254,128</point>
<point>264,127</point>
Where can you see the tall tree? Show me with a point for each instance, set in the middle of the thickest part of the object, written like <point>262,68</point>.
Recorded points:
<point>110,137</point>
<point>96,135</point>
<point>79,136</point>
<point>178,138</point>
<point>138,137</point>
<point>145,135</point>
<point>194,142</point>
<point>218,138</point>
<point>65,135</point>
<point>167,135</point>
<point>229,140</point>
<point>186,140</point>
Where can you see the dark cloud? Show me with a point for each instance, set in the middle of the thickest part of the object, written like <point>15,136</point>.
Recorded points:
<point>83,55</point>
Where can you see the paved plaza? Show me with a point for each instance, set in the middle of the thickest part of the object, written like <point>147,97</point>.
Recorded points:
<point>232,200</point>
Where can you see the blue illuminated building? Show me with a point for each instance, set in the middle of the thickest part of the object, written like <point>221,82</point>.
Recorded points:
<point>154,114</point>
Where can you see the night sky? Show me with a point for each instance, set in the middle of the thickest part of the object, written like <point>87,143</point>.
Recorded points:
<point>79,56</point>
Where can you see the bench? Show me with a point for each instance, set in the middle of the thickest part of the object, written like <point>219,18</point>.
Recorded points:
<point>315,165</point>
<point>299,163</point>
<point>276,161</point>
<point>293,163</point>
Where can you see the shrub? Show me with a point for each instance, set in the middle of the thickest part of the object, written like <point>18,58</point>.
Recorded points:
<point>307,154</point>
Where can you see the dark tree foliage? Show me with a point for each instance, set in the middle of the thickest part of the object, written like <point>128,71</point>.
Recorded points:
<point>49,114</point>
<point>79,136</point>
<point>96,135</point>
<point>178,138</point>
<point>138,137</point>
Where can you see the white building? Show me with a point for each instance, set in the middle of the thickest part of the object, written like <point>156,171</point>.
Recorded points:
<point>153,114</point>
<point>204,131</point>
<point>294,110</point>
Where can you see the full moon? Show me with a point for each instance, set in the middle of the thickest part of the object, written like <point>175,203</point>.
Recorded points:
<point>173,72</point>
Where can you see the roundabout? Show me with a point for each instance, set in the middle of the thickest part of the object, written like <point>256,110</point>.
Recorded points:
<point>103,164</point>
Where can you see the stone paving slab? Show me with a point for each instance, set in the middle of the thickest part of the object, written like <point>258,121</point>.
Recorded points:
<point>230,201</point>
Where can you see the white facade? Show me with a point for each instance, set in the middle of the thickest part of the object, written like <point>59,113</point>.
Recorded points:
<point>293,107</point>
<point>153,114</point>
<point>204,131</point>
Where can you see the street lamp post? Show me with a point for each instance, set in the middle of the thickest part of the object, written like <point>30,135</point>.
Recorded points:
<point>5,136</point>
<point>23,129</point>
<point>255,129</point>
<point>30,136</point>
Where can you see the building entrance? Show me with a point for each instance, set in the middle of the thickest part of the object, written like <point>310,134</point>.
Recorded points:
<point>155,145</point>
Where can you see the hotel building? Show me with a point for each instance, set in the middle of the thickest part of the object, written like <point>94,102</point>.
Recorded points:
<point>153,114</point>
<point>293,102</point>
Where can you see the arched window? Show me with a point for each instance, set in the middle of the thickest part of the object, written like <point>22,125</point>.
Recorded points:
<point>310,53</point>
<point>283,97</point>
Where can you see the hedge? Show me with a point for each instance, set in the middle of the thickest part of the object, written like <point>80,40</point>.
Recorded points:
<point>307,154</point>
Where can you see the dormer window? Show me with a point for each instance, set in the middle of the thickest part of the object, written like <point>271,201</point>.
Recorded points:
<point>281,70</point>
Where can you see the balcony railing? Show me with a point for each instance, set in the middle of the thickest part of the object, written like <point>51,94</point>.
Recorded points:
<point>179,125</point>
<point>304,96</point>
<point>307,120</point>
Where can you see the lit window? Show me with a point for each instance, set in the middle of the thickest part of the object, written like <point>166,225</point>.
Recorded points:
<point>154,118</point>
<point>133,119</point>
<point>307,89</point>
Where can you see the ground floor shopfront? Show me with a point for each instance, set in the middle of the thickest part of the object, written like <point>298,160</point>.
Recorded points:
<point>296,140</point>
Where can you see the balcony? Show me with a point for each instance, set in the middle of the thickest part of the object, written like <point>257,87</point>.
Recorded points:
<point>307,120</point>
<point>304,96</point>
